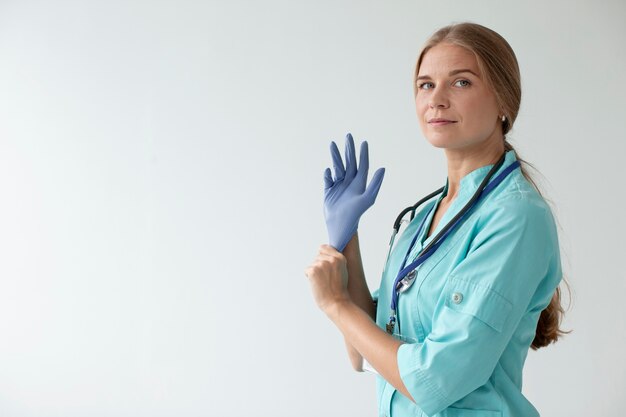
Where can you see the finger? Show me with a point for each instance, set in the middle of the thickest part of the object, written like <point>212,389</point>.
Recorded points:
<point>350,157</point>
<point>312,269</point>
<point>324,259</point>
<point>372,189</point>
<point>340,172</point>
<point>328,250</point>
<point>328,179</point>
<point>364,166</point>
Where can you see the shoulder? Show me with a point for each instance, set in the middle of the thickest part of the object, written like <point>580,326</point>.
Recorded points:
<point>513,241</point>
<point>517,199</point>
<point>516,209</point>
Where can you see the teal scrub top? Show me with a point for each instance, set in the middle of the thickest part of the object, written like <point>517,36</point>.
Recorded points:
<point>470,316</point>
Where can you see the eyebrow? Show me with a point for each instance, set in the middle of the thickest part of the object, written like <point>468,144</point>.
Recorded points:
<point>450,74</point>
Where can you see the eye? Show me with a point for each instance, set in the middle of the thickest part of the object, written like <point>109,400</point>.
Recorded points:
<point>425,85</point>
<point>462,83</point>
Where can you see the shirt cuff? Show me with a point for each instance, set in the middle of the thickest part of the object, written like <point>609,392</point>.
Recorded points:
<point>425,392</point>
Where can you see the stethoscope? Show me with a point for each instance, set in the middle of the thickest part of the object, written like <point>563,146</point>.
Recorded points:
<point>407,274</point>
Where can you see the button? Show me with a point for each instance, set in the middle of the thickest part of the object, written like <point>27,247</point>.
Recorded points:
<point>457,297</point>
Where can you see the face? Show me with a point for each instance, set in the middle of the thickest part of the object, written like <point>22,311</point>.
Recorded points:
<point>455,108</point>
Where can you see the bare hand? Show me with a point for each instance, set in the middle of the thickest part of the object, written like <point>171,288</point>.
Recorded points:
<point>328,276</point>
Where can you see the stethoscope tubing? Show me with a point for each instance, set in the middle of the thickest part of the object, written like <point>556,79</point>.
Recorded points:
<point>484,188</point>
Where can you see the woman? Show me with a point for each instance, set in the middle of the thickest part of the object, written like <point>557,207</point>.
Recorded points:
<point>472,282</point>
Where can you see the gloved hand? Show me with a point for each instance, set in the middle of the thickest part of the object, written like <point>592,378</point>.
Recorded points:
<point>345,196</point>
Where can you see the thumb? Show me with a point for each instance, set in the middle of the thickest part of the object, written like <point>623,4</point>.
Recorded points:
<point>328,179</point>
<point>374,186</point>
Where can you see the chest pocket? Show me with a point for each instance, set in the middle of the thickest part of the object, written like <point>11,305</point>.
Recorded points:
<point>478,301</point>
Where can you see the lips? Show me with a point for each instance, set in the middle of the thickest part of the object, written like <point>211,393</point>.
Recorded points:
<point>440,121</point>
<point>437,121</point>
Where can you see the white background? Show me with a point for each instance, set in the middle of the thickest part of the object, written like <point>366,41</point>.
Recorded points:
<point>161,194</point>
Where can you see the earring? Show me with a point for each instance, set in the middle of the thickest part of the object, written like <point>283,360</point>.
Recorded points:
<point>503,118</point>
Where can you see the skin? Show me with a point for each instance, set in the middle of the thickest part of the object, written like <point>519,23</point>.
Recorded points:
<point>473,139</point>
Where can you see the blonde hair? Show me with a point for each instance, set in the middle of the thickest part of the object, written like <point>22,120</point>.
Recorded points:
<point>500,71</point>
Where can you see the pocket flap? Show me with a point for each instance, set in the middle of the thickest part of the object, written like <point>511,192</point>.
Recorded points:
<point>477,300</point>
<point>461,412</point>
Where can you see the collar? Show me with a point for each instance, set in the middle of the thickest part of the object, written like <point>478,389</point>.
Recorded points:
<point>470,182</point>
<point>468,186</point>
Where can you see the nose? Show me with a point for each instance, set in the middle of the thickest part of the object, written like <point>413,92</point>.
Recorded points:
<point>438,99</point>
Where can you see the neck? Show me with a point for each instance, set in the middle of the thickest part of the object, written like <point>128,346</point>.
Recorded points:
<point>462,161</point>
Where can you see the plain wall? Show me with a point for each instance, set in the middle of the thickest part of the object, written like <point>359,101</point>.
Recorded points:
<point>161,195</point>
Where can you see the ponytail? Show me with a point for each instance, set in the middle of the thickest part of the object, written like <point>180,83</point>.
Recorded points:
<point>548,327</point>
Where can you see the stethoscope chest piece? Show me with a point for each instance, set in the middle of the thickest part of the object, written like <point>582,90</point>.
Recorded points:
<point>406,282</point>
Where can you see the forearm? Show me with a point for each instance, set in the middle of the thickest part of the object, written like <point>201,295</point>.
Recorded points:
<point>328,276</point>
<point>359,293</point>
<point>357,284</point>
<point>375,345</point>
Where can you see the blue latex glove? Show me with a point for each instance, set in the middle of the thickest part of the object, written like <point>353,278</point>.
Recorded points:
<point>345,196</point>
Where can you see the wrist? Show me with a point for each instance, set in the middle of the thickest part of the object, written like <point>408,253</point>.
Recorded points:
<point>335,310</point>
<point>353,244</point>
